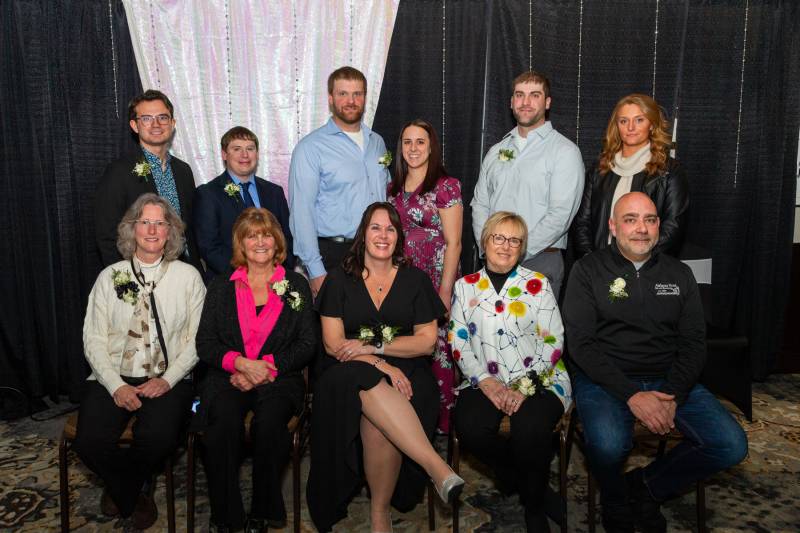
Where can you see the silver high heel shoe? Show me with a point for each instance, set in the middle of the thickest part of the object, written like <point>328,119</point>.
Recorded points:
<point>451,488</point>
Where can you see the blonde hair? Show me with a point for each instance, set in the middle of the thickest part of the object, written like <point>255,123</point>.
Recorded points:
<point>256,219</point>
<point>502,217</point>
<point>126,234</point>
<point>660,139</point>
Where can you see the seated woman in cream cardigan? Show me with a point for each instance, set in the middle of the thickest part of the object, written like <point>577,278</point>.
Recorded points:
<point>138,338</point>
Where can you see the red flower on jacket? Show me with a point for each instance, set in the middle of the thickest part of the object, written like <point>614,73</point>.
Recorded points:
<point>472,278</point>
<point>534,286</point>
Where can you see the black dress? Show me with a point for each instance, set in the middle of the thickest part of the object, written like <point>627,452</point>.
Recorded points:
<point>336,454</point>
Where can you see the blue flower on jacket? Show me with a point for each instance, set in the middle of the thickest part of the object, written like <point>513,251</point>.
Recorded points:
<point>462,334</point>
<point>472,328</point>
<point>473,381</point>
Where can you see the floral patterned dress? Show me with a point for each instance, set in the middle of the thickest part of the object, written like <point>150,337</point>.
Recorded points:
<point>425,248</point>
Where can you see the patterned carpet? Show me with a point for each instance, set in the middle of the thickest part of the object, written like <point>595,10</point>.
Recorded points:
<point>762,494</point>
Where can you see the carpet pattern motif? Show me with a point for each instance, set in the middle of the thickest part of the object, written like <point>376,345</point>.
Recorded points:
<point>761,494</point>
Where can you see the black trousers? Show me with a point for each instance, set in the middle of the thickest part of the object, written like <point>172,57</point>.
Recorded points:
<point>521,461</point>
<point>159,422</point>
<point>224,451</point>
<point>332,252</point>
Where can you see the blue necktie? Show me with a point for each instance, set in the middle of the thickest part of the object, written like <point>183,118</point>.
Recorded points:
<point>248,200</point>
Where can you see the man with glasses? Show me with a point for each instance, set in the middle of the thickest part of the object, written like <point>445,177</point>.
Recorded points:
<point>150,168</point>
<point>536,172</point>
<point>336,172</point>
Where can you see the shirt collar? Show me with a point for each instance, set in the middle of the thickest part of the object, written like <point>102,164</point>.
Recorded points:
<point>240,274</point>
<point>331,128</point>
<point>152,158</point>
<point>237,181</point>
<point>542,131</point>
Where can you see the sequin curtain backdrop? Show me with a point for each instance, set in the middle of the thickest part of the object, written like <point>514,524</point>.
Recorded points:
<point>262,65</point>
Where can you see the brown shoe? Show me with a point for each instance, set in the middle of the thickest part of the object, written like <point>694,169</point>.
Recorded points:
<point>145,513</point>
<point>107,505</point>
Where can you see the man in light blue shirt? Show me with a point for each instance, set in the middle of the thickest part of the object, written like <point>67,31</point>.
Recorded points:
<point>536,172</point>
<point>336,172</point>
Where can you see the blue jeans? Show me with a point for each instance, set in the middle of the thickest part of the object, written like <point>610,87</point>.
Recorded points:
<point>713,440</point>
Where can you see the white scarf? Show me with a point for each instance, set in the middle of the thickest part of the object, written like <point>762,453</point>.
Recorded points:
<point>626,168</point>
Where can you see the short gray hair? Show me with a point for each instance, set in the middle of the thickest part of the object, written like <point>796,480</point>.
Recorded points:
<point>126,235</point>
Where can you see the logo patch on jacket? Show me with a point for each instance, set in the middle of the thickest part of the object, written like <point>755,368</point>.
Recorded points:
<point>667,289</point>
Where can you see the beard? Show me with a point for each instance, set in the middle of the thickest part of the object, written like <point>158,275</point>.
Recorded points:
<point>349,115</point>
<point>535,119</point>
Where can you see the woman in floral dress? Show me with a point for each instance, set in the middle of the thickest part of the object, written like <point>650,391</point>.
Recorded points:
<point>430,207</point>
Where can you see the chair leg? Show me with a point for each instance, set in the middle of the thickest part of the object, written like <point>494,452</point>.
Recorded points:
<point>591,498</point>
<point>701,506</point>
<point>431,512</point>
<point>296,481</point>
<point>170,490</point>
<point>455,460</point>
<point>63,484</point>
<point>190,464</point>
<point>562,479</point>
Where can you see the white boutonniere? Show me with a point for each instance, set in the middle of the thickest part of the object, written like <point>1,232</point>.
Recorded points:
<point>506,154</point>
<point>142,169</point>
<point>385,159</point>
<point>293,298</point>
<point>616,290</point>
<point>232,189</point>
<point>127,290</point>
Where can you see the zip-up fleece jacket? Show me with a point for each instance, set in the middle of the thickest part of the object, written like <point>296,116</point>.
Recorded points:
<point>656,329</point>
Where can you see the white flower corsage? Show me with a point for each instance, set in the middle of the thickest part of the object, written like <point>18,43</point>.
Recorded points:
<point>530,383</point>
<point>385,159</point>
<point>232,189</point>
<point>616,291</point>
<point>377,335</point>
<point>293,298</point>
<point>506,154</point>
<point>142,169</point>
<point>127,290</point>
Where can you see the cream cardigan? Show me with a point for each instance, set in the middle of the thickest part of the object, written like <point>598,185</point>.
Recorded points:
<point>179,297</point>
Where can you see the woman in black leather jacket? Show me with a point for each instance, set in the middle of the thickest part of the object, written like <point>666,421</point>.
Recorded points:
<point>634,158</point>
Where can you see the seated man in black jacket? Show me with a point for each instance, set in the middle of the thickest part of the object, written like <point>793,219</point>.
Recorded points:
<point>636,338</point>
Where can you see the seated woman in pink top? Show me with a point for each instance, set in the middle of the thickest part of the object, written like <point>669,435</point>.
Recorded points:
<point>257,333</point>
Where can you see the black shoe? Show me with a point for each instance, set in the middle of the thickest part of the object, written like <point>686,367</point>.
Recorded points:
<point>216,528</point>
<point>145,513</point>
<point>646,509</point>
<point>255,525</point>
<point>107,505</point>
<point>618,518</point>
<point>536,521</point>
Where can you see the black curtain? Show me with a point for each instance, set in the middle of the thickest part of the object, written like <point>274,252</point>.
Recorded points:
<point>63,100</point>
<point>688,54</point>
<point>412,85</point>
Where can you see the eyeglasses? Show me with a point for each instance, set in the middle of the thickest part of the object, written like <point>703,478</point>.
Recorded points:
<point>500,240</point>
<point>148,119</point>
<point>158,224</point>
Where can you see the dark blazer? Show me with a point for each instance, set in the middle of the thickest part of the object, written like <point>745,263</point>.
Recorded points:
<point>120,187</point>
<point>292,342</point>
<point>215,211</point>
<point>669,190</point>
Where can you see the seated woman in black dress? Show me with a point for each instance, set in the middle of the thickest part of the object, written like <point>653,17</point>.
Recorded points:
<point>635,157</point>
<point>376,399</point>
<point>257,333</point>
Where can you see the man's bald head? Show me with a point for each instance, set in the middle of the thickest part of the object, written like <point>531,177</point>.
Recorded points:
<point>634,224</point>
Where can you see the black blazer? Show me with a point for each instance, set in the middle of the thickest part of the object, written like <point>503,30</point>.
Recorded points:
<point>669,190</point>
<point>215,211</point>
<point>292,342</point>
<point>120,187</point>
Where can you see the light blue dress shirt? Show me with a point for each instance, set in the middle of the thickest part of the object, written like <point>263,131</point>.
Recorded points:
<point>543,183</point>
<point>331,183</point>
<point>250,185</point>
